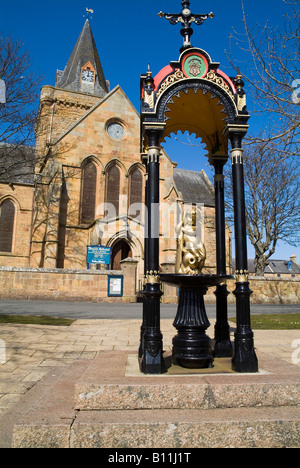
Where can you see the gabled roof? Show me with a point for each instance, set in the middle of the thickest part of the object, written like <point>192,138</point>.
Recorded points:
<point>195,187</point>
<point>100,103</point>
<point>84,51</point>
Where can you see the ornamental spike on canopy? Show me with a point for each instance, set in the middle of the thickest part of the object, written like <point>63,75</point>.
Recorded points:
<point>186,18</point>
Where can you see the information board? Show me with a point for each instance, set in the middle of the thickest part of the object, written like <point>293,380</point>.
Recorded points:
<point>115,286</point>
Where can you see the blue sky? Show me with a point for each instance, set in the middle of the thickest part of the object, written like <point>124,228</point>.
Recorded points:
<point>129,35</point>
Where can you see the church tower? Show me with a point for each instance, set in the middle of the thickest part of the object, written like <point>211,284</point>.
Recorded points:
<point>88,166</point>
<point>83,72</point>
<point>78,87</point>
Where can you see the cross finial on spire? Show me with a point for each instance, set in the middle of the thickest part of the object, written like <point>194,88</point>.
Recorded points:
<point>186,18</point>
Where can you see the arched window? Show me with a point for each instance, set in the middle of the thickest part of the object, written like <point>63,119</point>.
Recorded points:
<point>88,197</point>
<point>135,192</point>
<point>113,189</point>
<point>7,222</point>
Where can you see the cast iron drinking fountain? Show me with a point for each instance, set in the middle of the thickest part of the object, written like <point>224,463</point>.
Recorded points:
<point>191,346</point>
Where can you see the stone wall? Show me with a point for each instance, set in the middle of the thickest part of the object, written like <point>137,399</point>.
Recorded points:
<point>275,291</point>
<point>22,198</point>
<point>59,285</point>
<point>91,286</point>
<point>267,291</point>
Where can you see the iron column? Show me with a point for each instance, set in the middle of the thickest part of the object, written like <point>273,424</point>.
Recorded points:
<point>223,347</point>
<point>244,359</point>
<point>145,302</point>
<point>151,361</point>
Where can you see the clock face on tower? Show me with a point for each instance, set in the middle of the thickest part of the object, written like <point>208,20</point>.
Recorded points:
<point>88,76</point>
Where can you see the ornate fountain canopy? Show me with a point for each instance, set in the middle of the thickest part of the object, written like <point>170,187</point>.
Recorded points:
<point>193,94</point>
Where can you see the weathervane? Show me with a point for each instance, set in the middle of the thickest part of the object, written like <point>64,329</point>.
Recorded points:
<point>89,11</point>
<point>186,18</point>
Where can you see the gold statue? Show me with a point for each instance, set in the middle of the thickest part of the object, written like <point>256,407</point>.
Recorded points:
<point>191,252</point>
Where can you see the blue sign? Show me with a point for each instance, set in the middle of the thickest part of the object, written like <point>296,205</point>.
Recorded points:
<point>98,255</point>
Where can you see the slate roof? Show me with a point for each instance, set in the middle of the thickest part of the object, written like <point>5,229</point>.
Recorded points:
<point>17,164</point>
<point>84,51</point>
<point>195,187</point>
<point>282,267</point>
<point>277,267</point>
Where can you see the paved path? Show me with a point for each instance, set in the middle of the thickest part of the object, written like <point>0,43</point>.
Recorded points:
<point>28,352</point>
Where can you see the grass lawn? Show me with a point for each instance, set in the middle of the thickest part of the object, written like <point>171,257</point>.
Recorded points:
<point>35,320</point>
<point>274,322</point>
<point>258,322</point>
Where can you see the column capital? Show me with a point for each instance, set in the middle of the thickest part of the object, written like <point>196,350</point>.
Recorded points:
<point>218,159</point>
<point>155,127</point>
<point>153,132</point>
<point>236,133</point>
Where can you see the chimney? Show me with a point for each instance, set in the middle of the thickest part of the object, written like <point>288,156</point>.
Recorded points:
<point>293,258</point>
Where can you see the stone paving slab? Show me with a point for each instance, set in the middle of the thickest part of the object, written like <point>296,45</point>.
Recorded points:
<point>50,401</point>
<point>32,350</point>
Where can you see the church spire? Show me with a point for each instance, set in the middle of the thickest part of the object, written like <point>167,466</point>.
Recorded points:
<point>83,72</point>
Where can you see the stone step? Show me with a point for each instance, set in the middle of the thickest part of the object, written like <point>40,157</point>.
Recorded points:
<point>187,428</point>
<point>110,397</point>
<point>159,429</point>
<point>100,389</point>
<point>184,411</point>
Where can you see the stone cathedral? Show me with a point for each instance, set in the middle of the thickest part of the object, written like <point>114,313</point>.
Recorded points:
<point>87,186</point>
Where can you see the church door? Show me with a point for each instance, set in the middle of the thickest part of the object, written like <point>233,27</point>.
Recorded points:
<point>120,251</point>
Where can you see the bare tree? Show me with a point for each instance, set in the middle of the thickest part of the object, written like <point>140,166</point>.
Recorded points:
<point>272,200</point>
<point>272,76</point>
<point>18,113</point>
<point>22,91</point>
